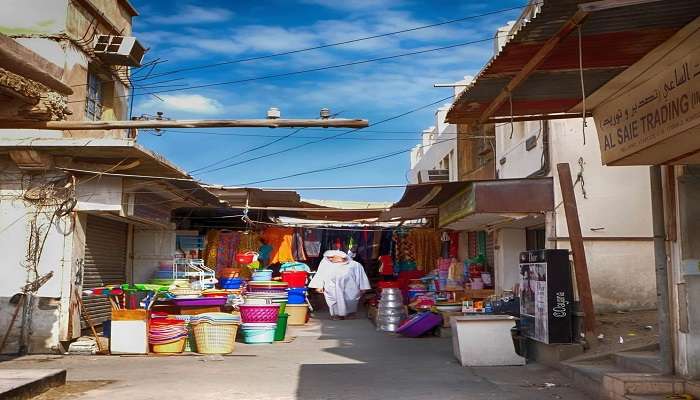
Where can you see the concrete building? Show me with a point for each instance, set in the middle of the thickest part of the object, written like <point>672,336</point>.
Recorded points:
<point>60,219</point>
<point>614,204</point>
<point>435,158</point>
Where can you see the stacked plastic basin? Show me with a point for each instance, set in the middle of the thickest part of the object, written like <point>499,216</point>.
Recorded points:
<point>259,322</point>
<point>229,278</point>
<point>297,306</point>
<point>215,333</point>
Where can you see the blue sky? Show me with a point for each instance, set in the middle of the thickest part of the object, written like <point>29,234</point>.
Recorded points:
<point>194,33</point>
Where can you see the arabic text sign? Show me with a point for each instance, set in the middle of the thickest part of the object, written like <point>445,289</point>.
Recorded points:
<point>667,103</point>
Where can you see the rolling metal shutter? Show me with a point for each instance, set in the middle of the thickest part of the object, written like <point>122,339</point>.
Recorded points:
<point>105,262</point>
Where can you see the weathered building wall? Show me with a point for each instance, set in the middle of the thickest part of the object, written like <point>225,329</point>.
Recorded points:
<point>16,218</point>
<point>615,212</point>
<point>63,32</point>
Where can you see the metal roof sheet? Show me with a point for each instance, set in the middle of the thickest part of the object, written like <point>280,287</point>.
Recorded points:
<point>611,41</point>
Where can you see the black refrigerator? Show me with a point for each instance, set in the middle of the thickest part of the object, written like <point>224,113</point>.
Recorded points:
<point>546,296</point>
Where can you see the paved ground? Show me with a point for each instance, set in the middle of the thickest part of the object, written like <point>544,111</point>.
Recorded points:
<point>326,360</point>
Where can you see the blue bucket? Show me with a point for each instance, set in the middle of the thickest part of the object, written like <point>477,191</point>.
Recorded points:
<point>230,283</point>
<point>296,296</point>
<point>262,275</point>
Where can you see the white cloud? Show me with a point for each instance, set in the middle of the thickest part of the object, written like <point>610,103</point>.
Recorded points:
<point>186,103</point>
<point>191,14</point>
<point>354,5</point>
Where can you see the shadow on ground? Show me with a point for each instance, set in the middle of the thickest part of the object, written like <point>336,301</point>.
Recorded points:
<point>385,366</point>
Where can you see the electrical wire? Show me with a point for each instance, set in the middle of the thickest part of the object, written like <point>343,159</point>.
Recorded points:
<point>325,139</point>
<point>341,166</point>
<point>279,139</point>
<point>344,42</point>
<point>300,72</point>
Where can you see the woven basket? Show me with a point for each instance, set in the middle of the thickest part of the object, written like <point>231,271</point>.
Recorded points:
<point>215,338</point>
<point>253,313</point>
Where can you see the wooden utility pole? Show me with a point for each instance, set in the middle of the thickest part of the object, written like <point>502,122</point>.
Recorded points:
<point>583,283</point>
<point>204,123</point>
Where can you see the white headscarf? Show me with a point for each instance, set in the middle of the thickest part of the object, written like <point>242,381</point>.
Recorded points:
<point>336,253</point>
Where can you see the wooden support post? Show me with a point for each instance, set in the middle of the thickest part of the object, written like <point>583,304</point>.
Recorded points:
<point>225,123</point>
<point>583,283</point>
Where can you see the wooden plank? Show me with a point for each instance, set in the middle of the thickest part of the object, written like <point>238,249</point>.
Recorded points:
<point>221,123</point>
<point>18,59</point>
<point>532,65</point>
<point>583,283</point>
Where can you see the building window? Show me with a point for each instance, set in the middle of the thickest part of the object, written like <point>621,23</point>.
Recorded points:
<point>93,102</point>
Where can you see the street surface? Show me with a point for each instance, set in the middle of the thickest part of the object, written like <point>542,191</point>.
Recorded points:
<point>325,360</point>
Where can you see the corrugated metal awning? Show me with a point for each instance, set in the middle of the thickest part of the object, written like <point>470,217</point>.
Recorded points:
<point>611,41</point>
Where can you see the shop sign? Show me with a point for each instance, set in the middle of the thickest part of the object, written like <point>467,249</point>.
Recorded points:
<point>666,103</point>
<point>459,206</point>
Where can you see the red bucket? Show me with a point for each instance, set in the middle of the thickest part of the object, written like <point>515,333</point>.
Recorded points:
<point>295,279</point>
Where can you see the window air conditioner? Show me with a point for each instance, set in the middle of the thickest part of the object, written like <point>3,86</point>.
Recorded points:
<point>119,50</point>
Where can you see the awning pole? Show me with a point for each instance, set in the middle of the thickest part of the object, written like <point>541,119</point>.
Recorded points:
<point>661,262</point>
<point>583,283</point>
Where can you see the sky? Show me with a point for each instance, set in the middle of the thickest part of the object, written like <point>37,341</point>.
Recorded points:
<point>191,34</point>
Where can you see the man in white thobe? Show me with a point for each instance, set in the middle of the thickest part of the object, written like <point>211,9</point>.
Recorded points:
<point>342,282</point>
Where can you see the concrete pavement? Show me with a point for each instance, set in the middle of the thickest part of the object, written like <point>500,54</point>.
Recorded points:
<point>326,360</point>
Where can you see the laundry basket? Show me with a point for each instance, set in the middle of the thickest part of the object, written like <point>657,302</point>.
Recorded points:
<point>213,338</point>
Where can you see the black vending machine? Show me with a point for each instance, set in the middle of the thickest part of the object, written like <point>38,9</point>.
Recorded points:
<point>546,296</point>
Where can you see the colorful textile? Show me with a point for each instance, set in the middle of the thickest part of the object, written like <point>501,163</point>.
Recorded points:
<point>227,249</point>
<point>425,244</point>
<point>210,250</point>
<point>281,241</point>
<point>298,245</point>
<point>312,242</point>
<point>454,244</point>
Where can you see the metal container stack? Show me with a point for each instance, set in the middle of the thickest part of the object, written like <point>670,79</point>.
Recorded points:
<point>391,311</point>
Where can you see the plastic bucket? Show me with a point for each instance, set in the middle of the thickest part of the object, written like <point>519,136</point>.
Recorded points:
<point>295,279</point>
<point>230,283</point>
<point>258,333</point>
<point>281,329</point>
<point>262,275</point>
<point>297,314</point>
<point>283,305</point>
<point>170,348</point>
<point>296,296</point>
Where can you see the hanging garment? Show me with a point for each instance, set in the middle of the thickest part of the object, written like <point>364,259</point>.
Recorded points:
<point>281,241</point>
<point>376,244</point>
<point>312,242</point>
<point>227,249</point>
<point>298,245</point>
<point>342,283</point>
<point>425,244</point>
<point>386,242</point>
<point>454,244</point>
<point>364,248</point>
<point>210,250</point>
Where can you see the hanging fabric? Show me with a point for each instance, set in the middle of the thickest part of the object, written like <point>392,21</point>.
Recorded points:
<point>425,244</point>
<point>281,241</point>
<point>298,245</point>
<point>227,249</point>
<point>454,244</point>
<point>210,250</point>
<point>312,242</point>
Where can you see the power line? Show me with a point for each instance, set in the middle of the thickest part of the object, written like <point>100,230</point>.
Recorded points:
<point>317,69</point>
<point>279,139</point>
<point>340,166</point>
<point>344,42</point>
<point>327,138</point>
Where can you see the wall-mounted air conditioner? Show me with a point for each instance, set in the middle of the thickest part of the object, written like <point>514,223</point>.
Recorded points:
<point>119,50</point>
<point>437,175</point>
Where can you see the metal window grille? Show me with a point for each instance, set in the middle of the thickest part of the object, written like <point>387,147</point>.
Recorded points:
<point>93,102</point>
